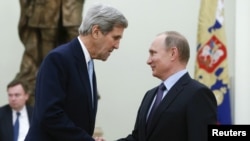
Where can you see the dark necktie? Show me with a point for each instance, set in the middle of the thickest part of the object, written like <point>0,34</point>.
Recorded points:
<point>158,99</point>
<point>16,126</point>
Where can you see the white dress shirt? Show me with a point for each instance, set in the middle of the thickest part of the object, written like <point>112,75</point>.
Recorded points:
<point>23,123</point>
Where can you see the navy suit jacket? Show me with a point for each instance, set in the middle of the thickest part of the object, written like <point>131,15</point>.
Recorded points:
<point>64,109</point>
<point>183,114</point>
<point>6,122</point>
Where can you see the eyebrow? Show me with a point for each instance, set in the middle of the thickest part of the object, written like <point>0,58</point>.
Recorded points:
<point>117,36</point>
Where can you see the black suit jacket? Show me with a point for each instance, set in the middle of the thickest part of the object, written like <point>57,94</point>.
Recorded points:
<point>63,105</point>
<point>183,114</point>
<point>6,123</point>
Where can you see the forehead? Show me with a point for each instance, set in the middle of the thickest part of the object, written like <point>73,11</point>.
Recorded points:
<point>16,88</point>
<point>158,42</point>
<point>116,32</point>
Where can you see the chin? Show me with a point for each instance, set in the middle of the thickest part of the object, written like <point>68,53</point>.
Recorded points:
<point>153,74</point>
<point>104,59</point>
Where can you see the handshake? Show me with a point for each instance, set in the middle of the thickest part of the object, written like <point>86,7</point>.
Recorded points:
<point>99,139</point>
<point>98,134</point>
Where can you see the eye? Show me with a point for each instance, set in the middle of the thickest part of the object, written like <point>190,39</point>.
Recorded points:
<point>17,95</point>
<point>117,37</point>
<point>151,52</point>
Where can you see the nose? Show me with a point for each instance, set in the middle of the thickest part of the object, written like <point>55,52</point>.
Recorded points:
<point>149,61</point>
<point>11,98</point>
<point>116,45</point>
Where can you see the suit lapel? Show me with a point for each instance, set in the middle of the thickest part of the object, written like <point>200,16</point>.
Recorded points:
<point>9,124</point>
<point>144,112</point>
<point>82,69</point>
<point>95,91</point>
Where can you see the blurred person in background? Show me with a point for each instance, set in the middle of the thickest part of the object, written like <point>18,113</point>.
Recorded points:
<point>17,95</point>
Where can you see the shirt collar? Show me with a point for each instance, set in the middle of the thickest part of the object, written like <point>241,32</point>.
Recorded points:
<point>85,51</point>
<point>174,78</point>
<point>23,111</point>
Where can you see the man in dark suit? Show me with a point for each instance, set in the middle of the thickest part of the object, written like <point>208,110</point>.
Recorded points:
<point>187,107</point>
<point>17,96</point>
<point>66,96</point>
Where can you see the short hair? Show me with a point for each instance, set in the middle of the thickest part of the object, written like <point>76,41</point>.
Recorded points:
<point>174,38</point>
<point>15,82</point>
<point>105,16</point>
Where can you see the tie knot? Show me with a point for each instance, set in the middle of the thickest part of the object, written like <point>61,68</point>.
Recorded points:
<point>162,87</point>
<point>18,114</point>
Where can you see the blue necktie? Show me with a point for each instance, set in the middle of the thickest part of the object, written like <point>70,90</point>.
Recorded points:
<point>158,99</point>
<point>16,126</point>
<point>90,70</point>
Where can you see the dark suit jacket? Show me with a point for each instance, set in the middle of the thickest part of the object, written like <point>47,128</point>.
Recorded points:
<point>6,123</point>
<point>183,114</point>
<point>63,105</point>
